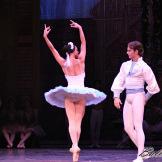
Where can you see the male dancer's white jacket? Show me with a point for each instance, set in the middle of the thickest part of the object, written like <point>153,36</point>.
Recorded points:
<point>132,77</point>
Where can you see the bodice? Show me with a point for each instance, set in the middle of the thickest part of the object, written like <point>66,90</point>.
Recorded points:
<point>76,80</point>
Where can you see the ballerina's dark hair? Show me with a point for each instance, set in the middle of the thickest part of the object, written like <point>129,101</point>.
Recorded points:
<point>69,48</point>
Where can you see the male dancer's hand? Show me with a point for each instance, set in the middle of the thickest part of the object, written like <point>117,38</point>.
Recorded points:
<point>47,29</point>
<point>117,102</point>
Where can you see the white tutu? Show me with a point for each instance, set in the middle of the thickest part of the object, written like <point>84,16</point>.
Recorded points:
<point>75,91</point>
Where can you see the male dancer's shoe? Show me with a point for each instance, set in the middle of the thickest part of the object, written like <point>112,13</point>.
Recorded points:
<point>139,159</point>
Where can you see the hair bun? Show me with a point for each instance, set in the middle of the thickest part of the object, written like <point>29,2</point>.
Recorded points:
<point>69,48</point>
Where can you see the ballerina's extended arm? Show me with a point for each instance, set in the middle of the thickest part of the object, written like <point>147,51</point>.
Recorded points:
<point>55,53</point>
<point>82,39</point>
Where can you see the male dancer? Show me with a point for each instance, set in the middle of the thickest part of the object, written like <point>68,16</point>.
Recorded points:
<point>132,76</point>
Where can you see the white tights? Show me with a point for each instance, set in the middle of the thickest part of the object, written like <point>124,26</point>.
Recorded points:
<point>133,118</point>
<point>75,113</point>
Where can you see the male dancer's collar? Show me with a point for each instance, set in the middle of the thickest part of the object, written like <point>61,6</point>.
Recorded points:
<point>139,59</point>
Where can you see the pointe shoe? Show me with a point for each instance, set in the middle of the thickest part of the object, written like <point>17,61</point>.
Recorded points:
<point>75,156</point>
<point>22,146</point>
<point>9,146</point>
<point>139,159</point>
<point>75,150</point>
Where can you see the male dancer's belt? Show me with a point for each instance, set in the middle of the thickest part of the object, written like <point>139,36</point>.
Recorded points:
<point>132,91</point>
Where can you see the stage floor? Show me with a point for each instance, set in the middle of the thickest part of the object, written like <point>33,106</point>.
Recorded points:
<point>63,155</point>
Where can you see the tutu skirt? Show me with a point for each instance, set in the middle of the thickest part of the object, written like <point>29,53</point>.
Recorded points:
<point>56,96</point>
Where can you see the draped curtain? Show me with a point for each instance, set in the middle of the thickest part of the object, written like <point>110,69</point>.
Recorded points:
<point>65,9</point>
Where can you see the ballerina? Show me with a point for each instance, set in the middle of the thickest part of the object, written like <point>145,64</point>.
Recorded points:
<point>75,96</point>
